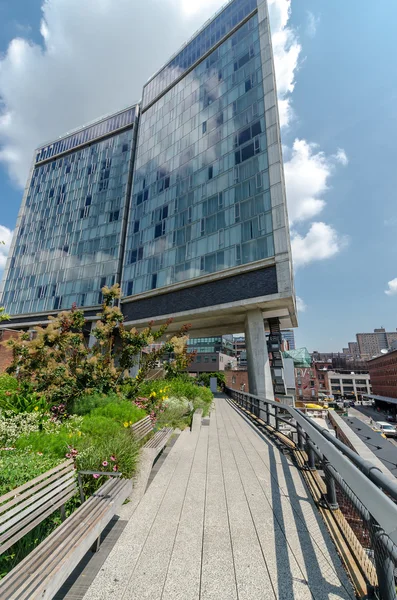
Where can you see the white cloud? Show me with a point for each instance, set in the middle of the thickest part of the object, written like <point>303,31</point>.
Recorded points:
<point>307,173</point>
<point>319,243</point>
<point>286,50</point>
<point>312,23</point>
<point>6,237</point>
<point>392,285</point>
<point>94,59</point>
<point>300,304</point>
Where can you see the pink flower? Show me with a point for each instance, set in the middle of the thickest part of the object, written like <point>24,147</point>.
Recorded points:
<point>68,455</point>
<point>105,463</point>
<point>115,468</point>
<point>96,476</point>
<point>113,458</point>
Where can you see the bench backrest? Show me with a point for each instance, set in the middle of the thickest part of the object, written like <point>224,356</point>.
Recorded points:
<point>142,428</point>
<point>27,506</point>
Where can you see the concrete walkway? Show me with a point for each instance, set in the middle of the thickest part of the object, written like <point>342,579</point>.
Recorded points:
<point>226,517</point>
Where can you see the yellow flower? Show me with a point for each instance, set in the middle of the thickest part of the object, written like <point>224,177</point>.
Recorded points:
<point>153,394</point>
<point>130,422</point>
<point>161,391</point>
<point>36,408</point>
<point>125,424</point>
<point>79,433</point>
<point>164,398</point>
<point>70,435</point>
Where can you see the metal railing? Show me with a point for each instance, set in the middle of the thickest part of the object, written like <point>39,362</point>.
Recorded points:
<point>363,499</point>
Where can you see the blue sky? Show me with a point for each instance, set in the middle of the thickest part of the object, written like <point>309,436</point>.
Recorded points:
<point>338,87</point>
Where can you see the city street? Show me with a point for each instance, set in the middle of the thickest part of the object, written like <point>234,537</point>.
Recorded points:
<point>365,413</point>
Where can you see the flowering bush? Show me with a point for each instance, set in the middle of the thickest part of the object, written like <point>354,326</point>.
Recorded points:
<point>59,366</point>
<point>13,426</point>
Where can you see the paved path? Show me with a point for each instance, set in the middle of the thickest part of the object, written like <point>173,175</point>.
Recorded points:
<point>227,517</point>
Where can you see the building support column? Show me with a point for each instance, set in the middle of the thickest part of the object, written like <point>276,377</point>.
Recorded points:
<point>259,375</point>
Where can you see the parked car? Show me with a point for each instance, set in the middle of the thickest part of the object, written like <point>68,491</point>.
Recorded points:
<point>391,419</point>
<point>386,428</point>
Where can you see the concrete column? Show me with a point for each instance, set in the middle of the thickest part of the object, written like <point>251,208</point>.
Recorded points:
<point>259,376</point>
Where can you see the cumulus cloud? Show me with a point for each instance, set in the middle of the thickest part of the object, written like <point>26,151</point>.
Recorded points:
<point>319,243</point>
<point>94,58</point>
<point>286,50</point>
<point>307,173</point>
<point>300,304</point>
<point>5,243</point>
<point>392,288</point>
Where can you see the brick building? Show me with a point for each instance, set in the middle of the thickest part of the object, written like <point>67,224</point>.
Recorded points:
<point>5,353</point>
<point>383,372</point>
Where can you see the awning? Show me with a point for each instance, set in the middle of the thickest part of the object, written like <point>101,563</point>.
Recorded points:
<point>381,398</point>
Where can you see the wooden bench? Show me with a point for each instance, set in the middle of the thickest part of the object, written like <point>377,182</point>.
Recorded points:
<point>46,568</point>
<point>143,428</point>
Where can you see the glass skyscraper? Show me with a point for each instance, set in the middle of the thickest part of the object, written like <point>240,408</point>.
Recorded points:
<point>180,199</point>
<point>201,193</point>
<point>68,241</point>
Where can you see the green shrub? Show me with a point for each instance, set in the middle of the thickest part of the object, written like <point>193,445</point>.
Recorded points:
<point>122,412</point>
<point>21,400</point>
<point>205,378</point>
<point>177,413</point>
<point>117,453</point>
<point>50,444</point>
<point>13,426</point>
<point>7,383</point>
<point>180,387</point>
<point>19,466</point>
<point>85,404</point>
<point>98,426</point>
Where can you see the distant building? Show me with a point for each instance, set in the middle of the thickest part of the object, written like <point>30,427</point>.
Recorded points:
<point>371,344</point>
<point>349,385</point>
<point>383,372</point>
<point>212,354</point>
<point>289,336</point>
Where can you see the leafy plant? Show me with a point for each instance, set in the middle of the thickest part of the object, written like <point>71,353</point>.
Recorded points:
<point>60,366</point>
<point>87,402</point>
<point>205,378</point>
<point>122,412</point>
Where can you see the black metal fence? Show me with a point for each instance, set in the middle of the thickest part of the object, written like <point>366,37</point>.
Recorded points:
<point>363,499</point>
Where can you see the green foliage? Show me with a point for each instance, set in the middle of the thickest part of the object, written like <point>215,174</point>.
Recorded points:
<point>60,367</point>
<point>177,413</point>
<point>14,425</point>
<point>19,466</point>
<point>180,387</point>
<point>23,400</point>
<point>122,412</point>
<point>7,383</point>
<point>117,453</point>
<point>87,402</point>
<point>98,426</point>
<point>205,378</point>
<point>54,444</point>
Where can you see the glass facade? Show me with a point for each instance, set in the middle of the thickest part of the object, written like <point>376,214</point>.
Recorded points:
<point>211,345</point>
<point>69,239</point>
<point>201,200</point>
<point>207,38</point>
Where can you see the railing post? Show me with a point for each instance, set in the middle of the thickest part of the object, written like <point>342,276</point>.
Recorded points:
<point>311,462</point>
<point>384,566</point>
<point>301,444</point>
<point>267,413</point>
<point>276,417</point>
<point>332,501</point>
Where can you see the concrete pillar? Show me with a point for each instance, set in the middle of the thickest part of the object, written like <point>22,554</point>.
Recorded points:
<point>259,376</point>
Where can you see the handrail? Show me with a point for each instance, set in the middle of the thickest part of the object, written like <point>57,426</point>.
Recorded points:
<point>363,478</point>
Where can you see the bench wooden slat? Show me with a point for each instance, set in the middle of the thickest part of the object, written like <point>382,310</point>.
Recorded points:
<point>64,555</point>
<point>142,428</point>
<point>47,548</point>
<point>158,438</point>
<point>38,520</point>
<point>23,516</point>
<point>29,501</point>
<point>37,479</point>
